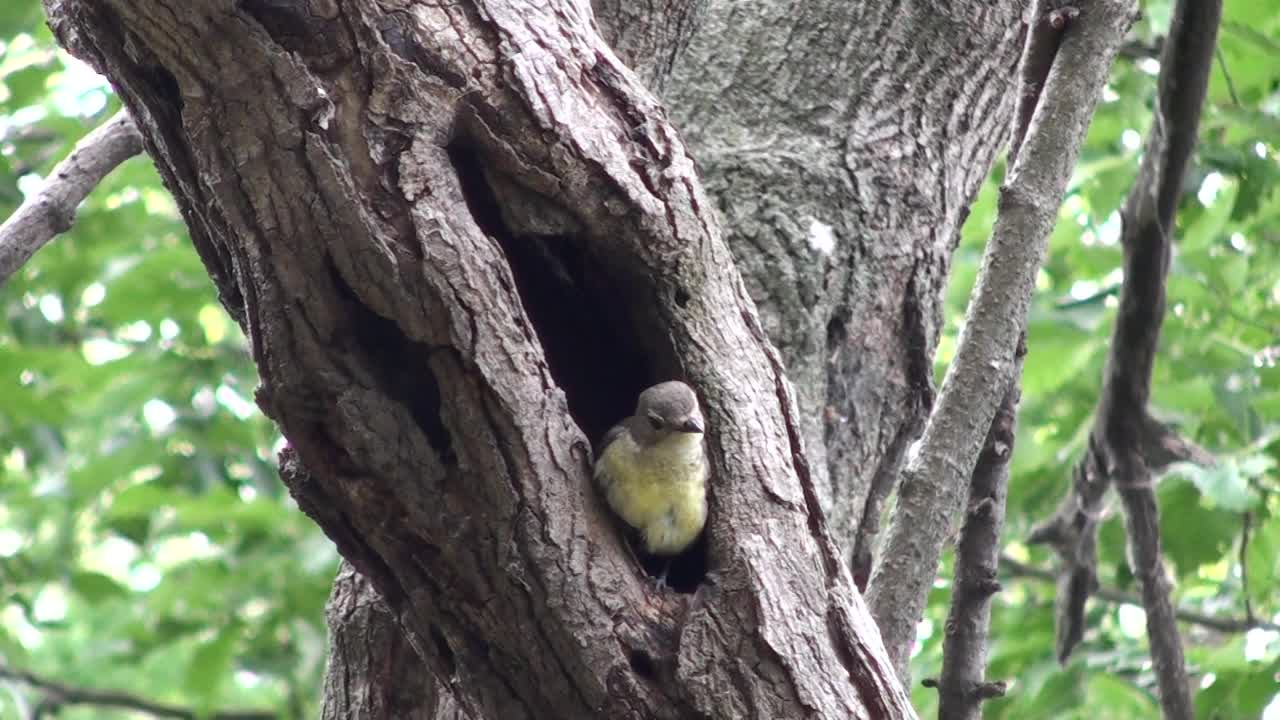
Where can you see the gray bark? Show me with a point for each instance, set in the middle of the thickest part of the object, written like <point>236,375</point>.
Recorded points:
<point>933,483</point>
<point>843,143</point>
<point>376,672</point>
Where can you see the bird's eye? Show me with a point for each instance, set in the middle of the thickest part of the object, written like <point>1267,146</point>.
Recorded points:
<point>655,421</point>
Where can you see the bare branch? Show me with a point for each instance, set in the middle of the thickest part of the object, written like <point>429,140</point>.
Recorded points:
<point>962,687</point>
<point>59,694</point>
<point>1016,569</point>
<point>1126,445</point>
<point>52,210</point>
<point>931,489</point>
<point>1043,39</point>
<point>1163,447</point>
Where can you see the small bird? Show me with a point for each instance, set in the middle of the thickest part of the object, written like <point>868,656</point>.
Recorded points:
<point>653,471</point>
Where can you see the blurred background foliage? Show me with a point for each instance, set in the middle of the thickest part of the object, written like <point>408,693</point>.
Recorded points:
<point>146,542</point>
<point>1216,380</point>
<point>147,545</point>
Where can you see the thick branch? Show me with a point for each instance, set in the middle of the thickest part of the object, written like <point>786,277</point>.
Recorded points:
<point>373,673</point>
<point>52,209</point>
<point>933,482</point>
<point>58,694</point>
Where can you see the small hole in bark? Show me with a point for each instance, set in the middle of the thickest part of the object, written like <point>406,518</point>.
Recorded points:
<point>837,330</point>
<point>288,23</point>
<point>162,84</point>
<point>642,664</point>
<point>682,297</point>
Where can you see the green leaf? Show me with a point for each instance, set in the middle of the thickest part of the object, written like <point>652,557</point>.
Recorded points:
<point>96,587</point>
<point>1222,484</point>
<point>142,500</point>
<point>1181,508</point>
<point>210,665</point>
<point>1119,698</point>
<point>1262,559</point>
<point>1211,225</point>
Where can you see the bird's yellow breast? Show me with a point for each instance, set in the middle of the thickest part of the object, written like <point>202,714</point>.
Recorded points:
<point>661,490</point>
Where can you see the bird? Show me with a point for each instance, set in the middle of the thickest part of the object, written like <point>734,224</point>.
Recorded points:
<point>652,469</point>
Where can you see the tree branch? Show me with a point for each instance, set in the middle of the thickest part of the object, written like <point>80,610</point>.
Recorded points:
<point>1017,569</point>
<point>932,484</point>
<point>962,686</point>
<point>1126,445</point>
<point>53,208</point>
<point>59,694</point>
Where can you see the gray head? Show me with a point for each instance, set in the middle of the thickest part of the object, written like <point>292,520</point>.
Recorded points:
<point>665,409</point>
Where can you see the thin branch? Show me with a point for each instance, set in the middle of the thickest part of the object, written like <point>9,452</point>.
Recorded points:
<point>52,210</point>
<point>1016,569</point>
<point>1044,37</point>
<point>932,489</point>
<point>1245,532</point>
<point>57,694</point>
<point>1149,213</point>
<point>1126,445</point>
<point>1226,74</point>
<point>962,686</point>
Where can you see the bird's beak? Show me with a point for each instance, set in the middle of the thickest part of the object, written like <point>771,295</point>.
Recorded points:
<point>691,425</point>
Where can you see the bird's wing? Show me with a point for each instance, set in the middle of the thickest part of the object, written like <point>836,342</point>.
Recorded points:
<point>614,433</point>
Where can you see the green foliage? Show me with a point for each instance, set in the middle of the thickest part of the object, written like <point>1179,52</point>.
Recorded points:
<point>1215,380</point>
<point>146,543</point>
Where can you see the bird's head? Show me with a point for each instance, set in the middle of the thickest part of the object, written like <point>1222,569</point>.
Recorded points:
<point>665,410</point>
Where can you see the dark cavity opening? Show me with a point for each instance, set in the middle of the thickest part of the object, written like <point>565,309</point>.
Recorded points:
<point>577,306</point>
<point>683,572</point>
<point>603,339</point>
<point>642,664</point>
<point>402,368</point>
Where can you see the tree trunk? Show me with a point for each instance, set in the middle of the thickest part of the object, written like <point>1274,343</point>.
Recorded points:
<point>462,238</point>
<point>843,143</point>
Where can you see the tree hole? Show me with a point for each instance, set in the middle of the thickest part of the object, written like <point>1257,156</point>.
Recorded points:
<point>578,307</point>
<point>642,664</point>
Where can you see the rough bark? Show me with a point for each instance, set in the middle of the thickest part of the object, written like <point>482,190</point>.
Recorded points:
<point>460,239</point>
<point>843,143</point>
<point>962,685</point>
<point>373,671</point>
